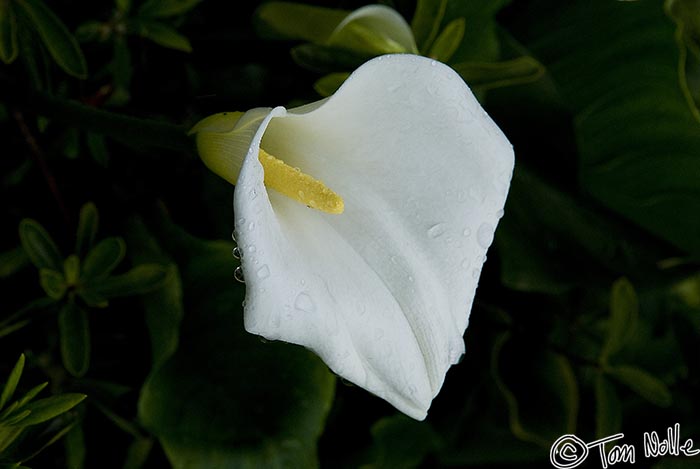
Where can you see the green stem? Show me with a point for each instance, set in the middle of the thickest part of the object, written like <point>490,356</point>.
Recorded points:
<point>133,131</point>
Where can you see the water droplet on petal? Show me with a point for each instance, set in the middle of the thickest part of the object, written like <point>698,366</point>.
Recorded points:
<point>304,302</point>
<point>251,226</point>
<point>263,272</point>
<point>236,252</point>
<point>238,274</point>
<point>499,214</point>
<point>484,235</point>
<point>253,194</point>
<point>233,236</point>
<point>436,230</point>
<point>467,232</point>
<point>251,248</point>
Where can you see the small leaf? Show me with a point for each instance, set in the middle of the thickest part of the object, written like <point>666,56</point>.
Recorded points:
<point>74,330</point>
<point>17,418</point>
<point>53,283</point>
<point>642,383</point>
<point>138,452</point>
<point>12,261</point>
<point>427,20</point>
<point>50,407</point>
<point>104,258</point>
<point>608,410</point>
<point>296,21</point>
<point>448,41</point>
<point>8,33</point>
<point>164,35</point>
<point>165,8</point>
<point>98,149</point>
<point>499,74</point>
<point>624,310</point>
<point>71,269</point>
<point>12,381</point>
<point>92,298</point>
<point>31,394</point>
<point>329,84</point>
<point>87,229</point>
<point>75,447</point>
<point>92,31</point>
<point>60,43</point>
<point>39,246</point>
<point>141,279</point>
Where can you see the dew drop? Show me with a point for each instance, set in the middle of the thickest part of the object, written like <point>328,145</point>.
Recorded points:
<point>263,272</point>
<point>252,248</point>
<point>499,214</point>
<point>304,302</point>
<point>467,232</point>
<point>236,252</point>
<point>244,303</point>
<point>436,230</point>
<point>484,235</point>
<point>251,226</point>
<point>263,340</point>
<point>253,194</point>
<point>345,382</point>
<point>476,273</point>
<point>393,259</point>
<point>238,274</point>
<point>433,63</point>
<point>233,236</point>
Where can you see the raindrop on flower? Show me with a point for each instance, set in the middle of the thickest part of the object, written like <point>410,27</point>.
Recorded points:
<point>304,303</point>
<point>484,235</point>
<point>236,252</point>
<point>436,230</point>
<point>238,274</point>
<point>263,272</point>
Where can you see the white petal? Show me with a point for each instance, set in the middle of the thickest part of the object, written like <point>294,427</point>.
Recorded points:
<point>382,293</point>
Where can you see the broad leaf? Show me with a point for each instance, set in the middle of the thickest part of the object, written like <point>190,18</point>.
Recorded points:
<point>637,137</point>
<point>298,21</point>
<point>39,246</point>
<point>480,42</point>
<point>164,35</point>
<point>141,279</point>
<point>426,21</point>
<point>491,75</point>
<point>103,258</point>
<point>60,43</point>
<point>329,84</point>
<point>74,330</point>
<point>224,399</point>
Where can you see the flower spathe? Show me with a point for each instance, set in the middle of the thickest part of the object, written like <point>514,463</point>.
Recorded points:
<point>382,292</point>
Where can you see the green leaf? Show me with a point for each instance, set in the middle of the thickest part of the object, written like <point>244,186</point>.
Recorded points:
<point>16,418</point>
<point>550,378</point>
<point>75,447</point>
<point>92,31</point>
<point>53,283</point>
<point>164,35</point>
<point>8,33</point>
<point>50,407</point>
<point>480,42</point>
<point>71,269</point>
<point>12,261</point>
<point>499,74</point>
<point>636,135</point>
<point>97,148</point>
<point>31,394</point>
<point>426,21</point>
<point>329,84</point>
<point>220,372</point>
<point>103,258</point>
<point>74,330</point>
<point>138,452</point>
<point>608,409</point>
<point>685,14</point>
<point>642,383</point>
<point>324,59</point>
<point>87,229</point>
<point>624,311</point>
<point>39,246</point>
<point>402,442</point>
<point>448,41</point>
<point>9,389</point>
<point>60,43</point>
<point>297,21</point>
<point>141,279</point>
<point>164,309</point>
<point>92,298</point>
<point>123,5</point>
<point>166,8</point>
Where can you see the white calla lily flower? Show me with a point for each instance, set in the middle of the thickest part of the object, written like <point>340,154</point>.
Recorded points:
<point>382,291</point>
